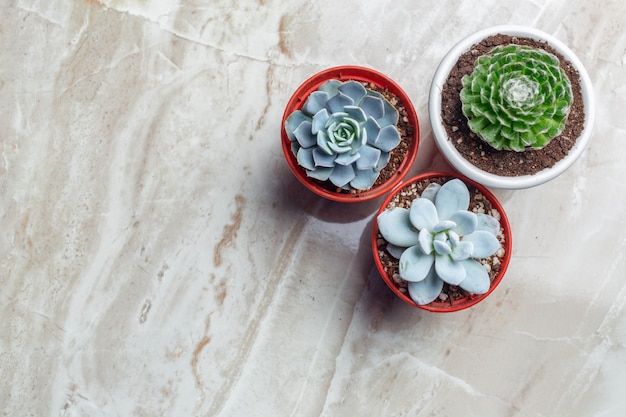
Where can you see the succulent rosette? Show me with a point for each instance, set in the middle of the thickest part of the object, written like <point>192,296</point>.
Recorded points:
<point>517,97</point>
<point>437,241</point>
<point>344,134</point>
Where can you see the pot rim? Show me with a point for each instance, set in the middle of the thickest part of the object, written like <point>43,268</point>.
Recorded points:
<point>463,303</point>
<point>467,168</point>
<point>344,73</point>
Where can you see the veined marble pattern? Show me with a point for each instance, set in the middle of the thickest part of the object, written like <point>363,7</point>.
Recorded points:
<point>158,258</point>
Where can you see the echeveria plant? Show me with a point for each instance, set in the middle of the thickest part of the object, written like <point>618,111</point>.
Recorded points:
<point>517,97</point>
<point>438,240</point>
<point>344,133</point>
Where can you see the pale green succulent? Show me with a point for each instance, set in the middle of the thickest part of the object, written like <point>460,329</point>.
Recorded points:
<point>517,98</point>
<point>438,240</point>
<point>344,133</point>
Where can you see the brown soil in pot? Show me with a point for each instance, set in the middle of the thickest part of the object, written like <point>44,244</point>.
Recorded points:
<point>479,153</point>
<point>478,204</point>
<point>406,131</point>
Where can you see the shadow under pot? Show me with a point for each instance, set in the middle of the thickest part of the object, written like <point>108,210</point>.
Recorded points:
<point>441,242</point>
<point>350,134</point>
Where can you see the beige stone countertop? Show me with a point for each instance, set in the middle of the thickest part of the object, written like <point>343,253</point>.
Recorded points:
<point>159,258</point>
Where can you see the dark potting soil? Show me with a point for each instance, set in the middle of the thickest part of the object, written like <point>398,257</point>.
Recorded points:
<point>479,153</point>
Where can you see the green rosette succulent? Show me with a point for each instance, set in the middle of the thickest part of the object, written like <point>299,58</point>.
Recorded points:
<point>517,97</point>
<point>344,134</point>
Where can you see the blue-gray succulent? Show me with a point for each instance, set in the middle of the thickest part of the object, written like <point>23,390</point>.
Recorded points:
<point>438,240</point>
<point>344,133</point>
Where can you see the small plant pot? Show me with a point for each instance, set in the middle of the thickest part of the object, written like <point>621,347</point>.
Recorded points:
<point>452,298</point>
<point>395,171</point>
<point>446,135</point>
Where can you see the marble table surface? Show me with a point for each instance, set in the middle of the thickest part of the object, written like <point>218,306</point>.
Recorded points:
<point>158,257</point>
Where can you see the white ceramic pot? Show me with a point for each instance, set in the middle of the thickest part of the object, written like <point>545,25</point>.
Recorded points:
<point>464,166</point>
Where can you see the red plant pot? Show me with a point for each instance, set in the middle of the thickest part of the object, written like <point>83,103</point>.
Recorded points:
<point>345,73</point>
<point>460,303</point>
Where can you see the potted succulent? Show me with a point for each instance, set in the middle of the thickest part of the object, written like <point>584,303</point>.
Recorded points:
<point>441,242</point>
<point>350,134</point>
<point>511,107</point>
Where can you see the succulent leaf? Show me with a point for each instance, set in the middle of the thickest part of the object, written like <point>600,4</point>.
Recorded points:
<point>330,87</point>
<point>395,226</point>
<point>372,128</point>
<point>316,102</point>
<point>453,237</point>
<point>383,160</point>
<point>342,122</point>
<point>342,174</point>
<point>356,113</point>
<point>390,116</point>
<point>444,225</point>
<point>448,270</point>
<point>426,241</point>
<point>477,279</point>
<point>319,121</point>
<point>345,158</point>
<point>321,173</point>
<point>363,178</point>
<point>487,223</point>
<point>337,102</point>
<point>517,97</point>
<point>388,138</point>
<point>431,191</point>
<point>395,251</point>
<point>426,290</point>
<point>304,135</point>
<point>423,214</point>
<point>465,222</point>
<point>369,156</point>
<point>373,106</point>
<point>321,158</point>
<point>305,157</point>
<point>293,121</point>
<point>354,90</point>
<point>441,247</point>
<point>452,197</point>
<point>485,243</point>
<point>414,264</point>
<point>462,251</point>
